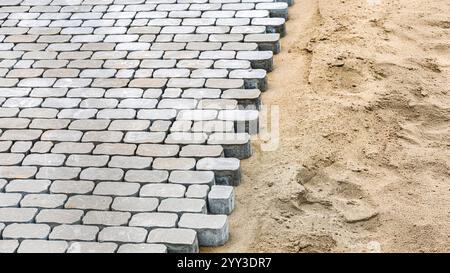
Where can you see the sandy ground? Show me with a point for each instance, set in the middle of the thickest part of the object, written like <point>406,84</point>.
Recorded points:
<point>363,164</point>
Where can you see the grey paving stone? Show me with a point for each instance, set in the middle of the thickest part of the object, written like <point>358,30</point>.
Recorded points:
<point>72,148</point>
<point>226,170</point>
<point>244,120</point>
<point>135,204</point>
<point>130,162</point>
<point>171,163</point>
<point>154,220</point>
<point>17,215</point>
<point>175,239</point>
<point>114,149</point>
<point>41,147</point>
<point>74,233</point>
<point>21,146</point>
<point>142,248</point>
<point>26,231</point>
<point>144,137</point>
<point>221,199</point>
<point>192,177</point>
<point>212,230</point>
<point>87,202</point>
<point>58,173</point>
<point>8,159</point>
<point>182,205</point>
<point>162,191</point>
<point>89,124</point>
<point>14,123</point>
<point>234,144</point>
<point>112,174</point>
<point>92,247</point>
<point>10,200</point>
<point>43,200</point>
<point>21,135</point>
<point>8,246</point>
<point>147,176</point>
<point>197,191</point>
<point>123,235</point>
<point>42,246</point>
<point>62,135</point>
<point>27,186</point>
<point>102,136</point>
<point>59,216</point>
<point>72,186</point>
<point>87,160</point>
<point>106,218</point>
<point>44,159</point>
<point>117,189</point>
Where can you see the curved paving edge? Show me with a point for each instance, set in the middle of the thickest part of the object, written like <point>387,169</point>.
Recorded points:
<point>123,122</point>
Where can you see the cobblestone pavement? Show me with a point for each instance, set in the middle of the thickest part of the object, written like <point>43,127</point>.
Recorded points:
<point>122,122</point>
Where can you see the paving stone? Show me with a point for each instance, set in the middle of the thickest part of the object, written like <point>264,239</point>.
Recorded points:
<point>226,170</point>
<point>135,204</point>
<point>21,135</point>
<point>146,176</point>
<point>59,216</point>
<point>8,246</point>
<point>221,199</point>
<point>154,220</point>
<point>128,162</point>
<point>197,191</point>
<point>86,202</point>
<point>192,177</point>
<point>173,163</point>
<point>43,200</point>
<point>102,136</point>
<point>62,135</point>
<point>123,235</point>
<point>116,189</point>
<point>142,248</point>
<point>92,247</point>
<point>175,239</point>
<point>17,215</point>
<point>42,246</point>
<point>74,232</point>
<point>44,159</point>
<point>27,186</point>
<point>212,230</point>
<point>72,148</point>
<point>9,159</point>
<point>244,120</point>
<point>72,186</point>
<point>89,125</point>
<point>115,149</point>
<point>106,218</point>
<point>182,205</point>
<point>42,147</point>
<point>26,231</point>
<point>162,191</point>
<point>21,146</point>
<point>10,200</point>
<point>102,174</point>
<point>234,144</point>
<point>58,173</point>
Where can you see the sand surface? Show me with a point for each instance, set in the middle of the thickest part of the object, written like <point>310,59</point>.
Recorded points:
<point>363,164</point>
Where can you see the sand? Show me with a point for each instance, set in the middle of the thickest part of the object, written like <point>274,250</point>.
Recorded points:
<point>363,164</point>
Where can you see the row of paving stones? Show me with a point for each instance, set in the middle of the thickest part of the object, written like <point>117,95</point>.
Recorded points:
<point>122,122</point>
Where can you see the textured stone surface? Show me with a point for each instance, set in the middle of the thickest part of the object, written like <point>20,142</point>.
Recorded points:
<point>120,118</point>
